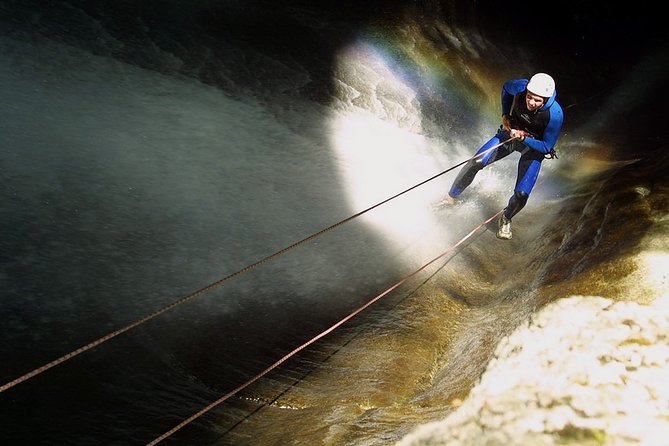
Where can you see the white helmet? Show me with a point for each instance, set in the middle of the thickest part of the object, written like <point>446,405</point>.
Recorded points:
<point>541,84</point>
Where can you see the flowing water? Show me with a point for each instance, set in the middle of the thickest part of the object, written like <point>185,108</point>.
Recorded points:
<point>149,153</point>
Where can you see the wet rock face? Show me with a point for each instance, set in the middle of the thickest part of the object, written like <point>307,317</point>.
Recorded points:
<point>584,370</point>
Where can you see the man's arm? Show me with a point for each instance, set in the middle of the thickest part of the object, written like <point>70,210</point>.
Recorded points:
<point>509,90</point>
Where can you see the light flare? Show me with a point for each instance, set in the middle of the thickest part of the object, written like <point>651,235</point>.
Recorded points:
<point>377,135</point>
<point>378,160</point>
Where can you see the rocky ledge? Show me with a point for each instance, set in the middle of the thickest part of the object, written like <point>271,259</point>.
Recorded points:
<point>583,371</point>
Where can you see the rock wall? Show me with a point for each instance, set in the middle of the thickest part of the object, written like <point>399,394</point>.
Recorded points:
<point>583,370</point>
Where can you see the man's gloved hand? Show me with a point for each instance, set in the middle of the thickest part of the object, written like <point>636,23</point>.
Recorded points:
<point>519,134</point>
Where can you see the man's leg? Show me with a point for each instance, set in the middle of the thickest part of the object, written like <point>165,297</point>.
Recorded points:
<point>473,166</point>
<point>528,172</point>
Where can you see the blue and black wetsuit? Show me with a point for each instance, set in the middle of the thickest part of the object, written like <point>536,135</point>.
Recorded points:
<point>543,125</point>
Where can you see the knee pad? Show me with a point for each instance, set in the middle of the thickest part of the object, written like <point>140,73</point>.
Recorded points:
<point>476,163</point>
<point>516,203</point>
<point>521,197</point>
<point>466,176</point>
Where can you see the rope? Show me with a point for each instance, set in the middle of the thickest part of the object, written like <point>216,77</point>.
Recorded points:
<point>319,336</point>
<point>217,283</point>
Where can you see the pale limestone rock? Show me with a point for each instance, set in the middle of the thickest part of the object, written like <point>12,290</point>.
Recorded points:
<point>584,370</point>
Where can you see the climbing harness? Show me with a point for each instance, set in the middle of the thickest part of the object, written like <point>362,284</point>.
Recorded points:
<point>551,155</point>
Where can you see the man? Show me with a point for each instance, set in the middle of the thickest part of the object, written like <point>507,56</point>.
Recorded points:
<point>532,119</point>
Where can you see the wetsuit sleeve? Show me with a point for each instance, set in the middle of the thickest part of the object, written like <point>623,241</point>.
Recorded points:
<point>551,133</point>
<point>509,90</point>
